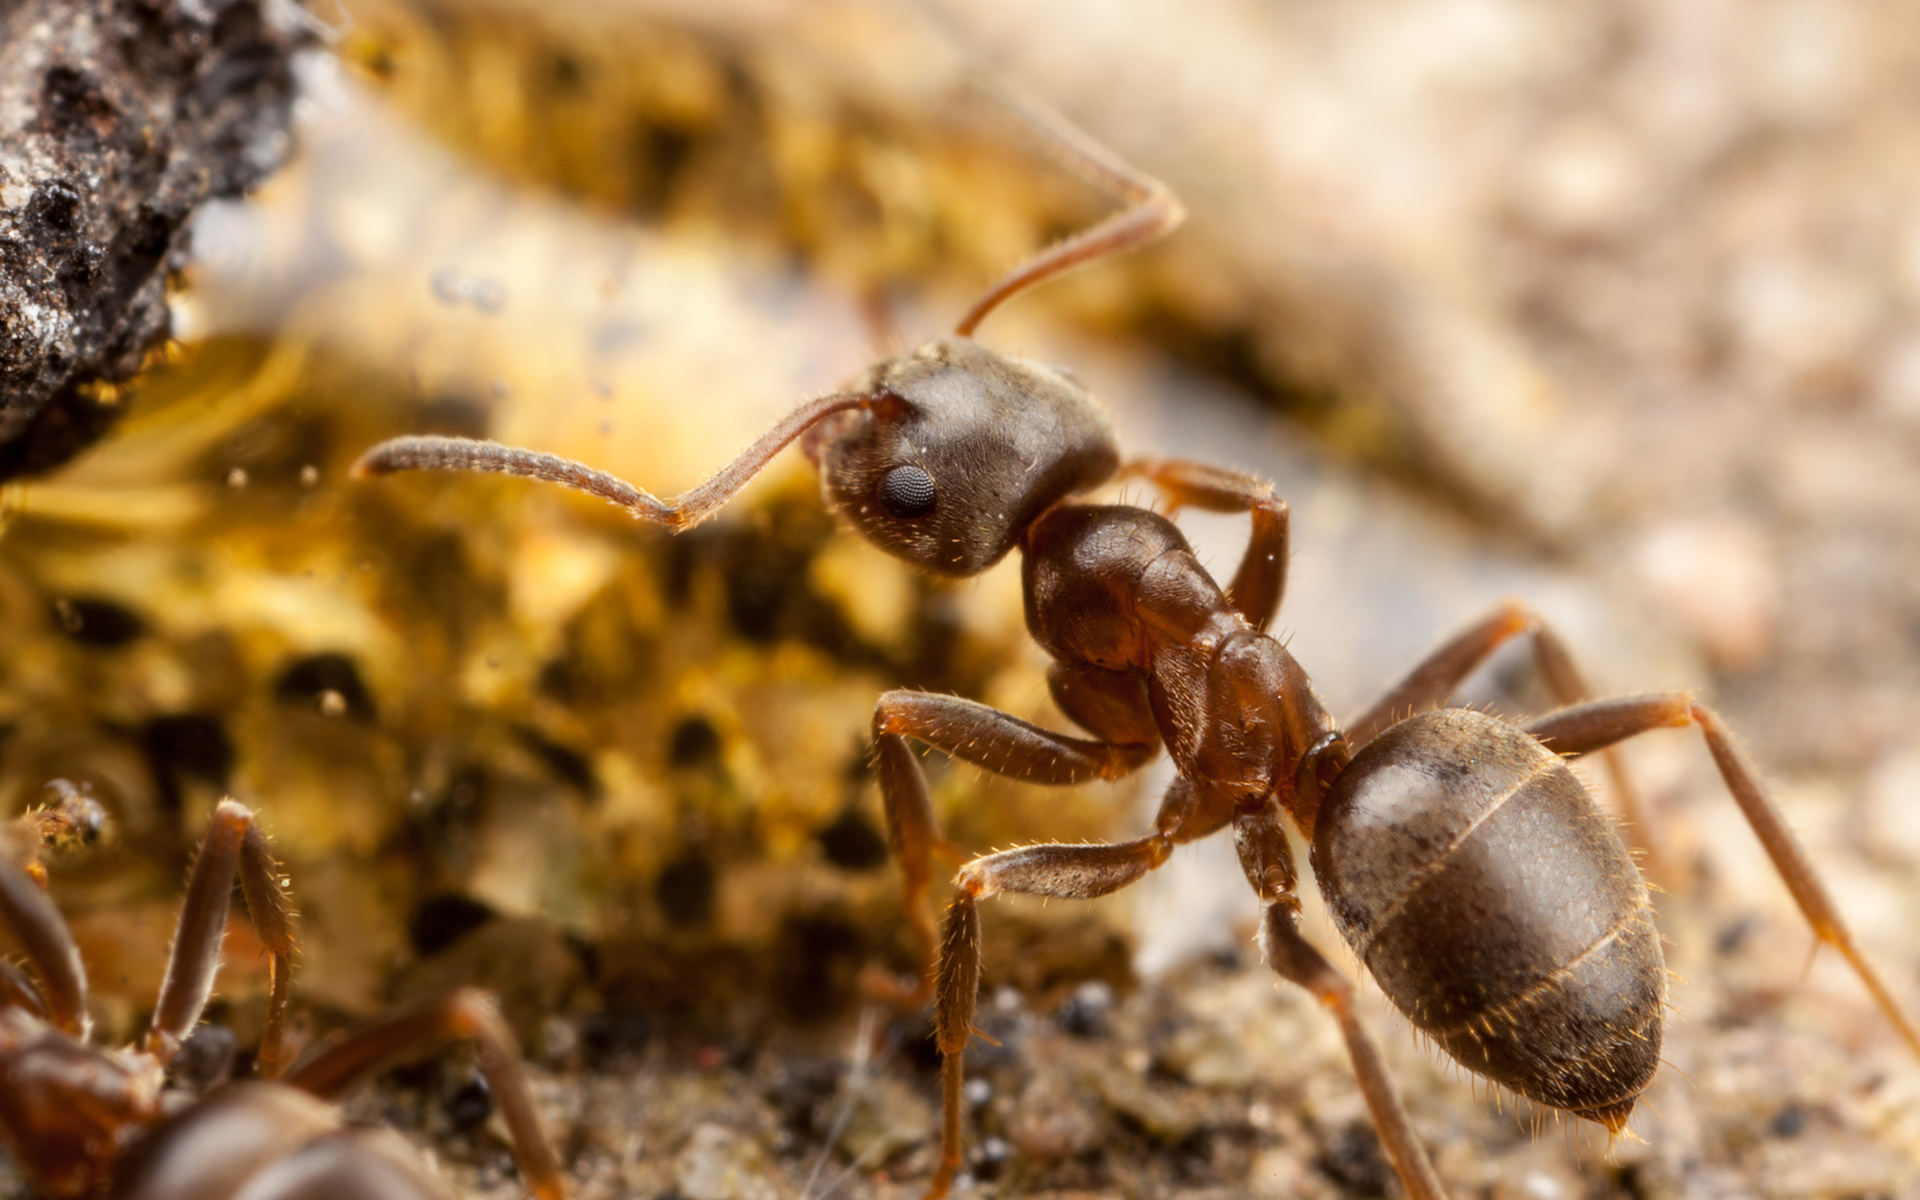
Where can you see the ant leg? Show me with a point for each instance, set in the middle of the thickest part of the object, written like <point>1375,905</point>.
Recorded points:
<point>1151,212</point>
<point>1079,872</point>
<point>1261,581</point>
<point>1268,862</point>
<point>1435,677</point>
<point>958,989</point>
<point>467,1014</point>
<point>986,737</point>
<point>682,512</point>
<point>233,843</point>
<point>17,990</point>
<point>30,913</point>
<point>1601,723</point>
<point>272,916</point>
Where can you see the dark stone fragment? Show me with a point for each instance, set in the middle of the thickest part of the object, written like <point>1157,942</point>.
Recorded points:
<point>56,210</point>
<point>1354,1160</point>
<point>989,1159</point>
<point>71,103</point>
<point>1084,1014</point>
<point>470,1104</point>
<point>121,118</point>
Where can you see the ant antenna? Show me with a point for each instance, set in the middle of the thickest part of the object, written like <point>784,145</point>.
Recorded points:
<point>1152,209</point>
<point>683,511</point>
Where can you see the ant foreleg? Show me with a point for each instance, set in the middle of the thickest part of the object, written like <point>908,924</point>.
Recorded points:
<point>1066,872</point>
<point>62,990</point>
<point>1601,723</point>
<point>1261,582</point>
<point>1268,862</point>
<point>233,843</point>
<point>682,512</point>
<point>465,1015</point>
<point>958,988</point>
<point>1436,677</point>
<point>986,737</point>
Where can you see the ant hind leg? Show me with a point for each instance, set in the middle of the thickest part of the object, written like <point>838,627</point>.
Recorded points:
<point>1435,678</point>
<point>1588,727</point>
<point>1268,861</point>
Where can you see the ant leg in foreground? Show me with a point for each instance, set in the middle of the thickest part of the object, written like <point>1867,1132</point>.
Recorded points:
<point>1077,872</point>
<point>682,512</point>
<point>1261,582</point>
<point>1268,861</point>
<point>1434,678</point>
<point>61,993</point>
<point>1588,727</point>
<point>465,1015</point>
<point>233,843</point>
<point>986,737</point>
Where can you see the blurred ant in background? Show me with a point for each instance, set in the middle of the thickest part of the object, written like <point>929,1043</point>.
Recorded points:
<point>81,1121</point>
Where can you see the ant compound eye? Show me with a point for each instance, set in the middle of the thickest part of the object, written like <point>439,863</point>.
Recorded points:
<point>906,492</point>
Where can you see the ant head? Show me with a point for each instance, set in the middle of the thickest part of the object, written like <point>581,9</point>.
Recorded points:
<point>958,451</point>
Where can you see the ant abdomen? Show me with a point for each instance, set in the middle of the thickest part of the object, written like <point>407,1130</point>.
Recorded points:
<point>1498,908</point>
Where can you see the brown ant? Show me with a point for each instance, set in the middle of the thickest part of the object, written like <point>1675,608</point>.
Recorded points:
<point>1461,858</point>
<point>81,1121</point>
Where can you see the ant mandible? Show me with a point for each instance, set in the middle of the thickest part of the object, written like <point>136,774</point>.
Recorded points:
<point>82,1122</point>
<point>1461,858</point>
